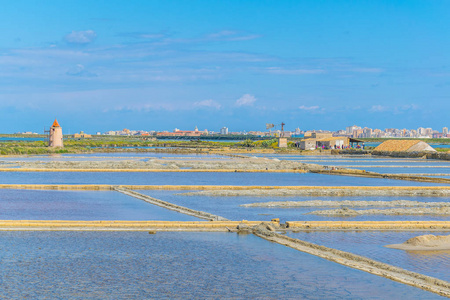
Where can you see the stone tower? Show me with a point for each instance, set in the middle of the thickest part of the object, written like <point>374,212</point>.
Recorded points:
<point>55,136</point>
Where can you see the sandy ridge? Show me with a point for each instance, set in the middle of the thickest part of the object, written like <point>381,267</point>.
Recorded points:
<point>349,203</point>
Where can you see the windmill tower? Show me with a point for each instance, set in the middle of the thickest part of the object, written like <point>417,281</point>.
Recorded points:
<point>55,135</point>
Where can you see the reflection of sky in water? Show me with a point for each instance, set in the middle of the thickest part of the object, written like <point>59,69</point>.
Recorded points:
<point>371,244</point>
<point>80,205</point>
<point>113,156</point>
<point>406,170</point>
<point>136,265</point>
<point>229,207</point>
<point>199,178</point>
<point>338,160</point>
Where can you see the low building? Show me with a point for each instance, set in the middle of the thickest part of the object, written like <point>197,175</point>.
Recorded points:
<point>82,135</point>
<point>404,146</point>
<point>308,144</point>
<point>337,142</point>
<point>282,142</point>
<point>318,135</point>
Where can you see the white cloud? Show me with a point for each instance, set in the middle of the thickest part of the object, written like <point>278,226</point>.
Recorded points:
<point>208,103</point>
<point>142,35</point>
<point>309,108</point>
<point>409,107</point>
<point>81,37</point>
<point>80,70</point>
<point>246,100</point>
<point>378,108</point>
<point>367,70</point>
<point>229,35</point>
<point>276,70</point>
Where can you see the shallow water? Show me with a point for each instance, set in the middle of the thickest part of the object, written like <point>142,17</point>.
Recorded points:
<point>136,265</point>
<point>108,156</point>
<point>371,244</point>
<point>229,207</point>
<point>343,160</point>
<point>406,170</point>
<point>199,178</point>
<point>80,205</point>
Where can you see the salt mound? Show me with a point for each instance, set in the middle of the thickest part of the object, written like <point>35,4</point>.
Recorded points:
<point>425,242</point>
<point>428,240</point>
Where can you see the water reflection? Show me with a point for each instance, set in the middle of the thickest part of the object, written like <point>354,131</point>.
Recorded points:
<point>136,265</point>
<point>229,207</point>
<point>371,244</point>
<point>80,205</point>
<point>199,178</point>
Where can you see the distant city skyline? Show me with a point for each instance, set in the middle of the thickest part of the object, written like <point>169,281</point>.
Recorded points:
<point>108,65</point>
<point>349,131</point>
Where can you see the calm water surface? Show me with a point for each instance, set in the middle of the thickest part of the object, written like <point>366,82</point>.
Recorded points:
<point>229,207</point>
<point>99,156</point>
<point>371,244</point>
<point>198,178</point>
<point>136,265</point>
<point>80,205</point>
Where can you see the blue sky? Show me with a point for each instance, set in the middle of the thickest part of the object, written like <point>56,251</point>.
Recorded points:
<point>157,65</point>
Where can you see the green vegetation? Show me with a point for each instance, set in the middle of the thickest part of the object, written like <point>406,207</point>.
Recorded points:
<point>23,146</point>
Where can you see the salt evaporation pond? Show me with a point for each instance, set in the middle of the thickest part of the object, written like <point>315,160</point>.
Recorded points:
<point>106,156</point>
<point>405,170</point>
<point>229,207</point>
<point>371,244</point>
<point>199,178</point>
<point>80,205</point>
<point>136,265</point>
<point>340,160</point>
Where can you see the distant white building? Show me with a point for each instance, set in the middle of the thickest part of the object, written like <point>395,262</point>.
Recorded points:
<point>350,129</point>
<point>224,130</point>
<point>445,130</point>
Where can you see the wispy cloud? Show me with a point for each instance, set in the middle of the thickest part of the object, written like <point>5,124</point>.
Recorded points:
<point>81,37</point>
<point>367,70</point>
<point>229,35</point>
<point>277,70</point>
<point>409,107</point>
<point>208,104</point>
<point>143,35</point>
<point>246,100</point>
<point>80,70</point>
<point>378,108</point>
<point>309,108</point>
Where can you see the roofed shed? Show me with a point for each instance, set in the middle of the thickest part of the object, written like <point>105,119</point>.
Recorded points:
<point>404,146</point>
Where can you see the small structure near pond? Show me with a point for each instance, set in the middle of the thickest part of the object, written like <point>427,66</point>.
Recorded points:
<point>55,135</point>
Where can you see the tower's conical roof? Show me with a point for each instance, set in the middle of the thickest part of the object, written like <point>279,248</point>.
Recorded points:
<point>55,124</point>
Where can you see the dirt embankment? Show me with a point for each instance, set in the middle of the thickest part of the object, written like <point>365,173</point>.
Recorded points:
<point>346,212</point>
<point>325,191</point>
<point>232,164</point>
<point>425,242</point>
<point>423,154</point>
<point>348,203</point>
<point>171,206</point>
